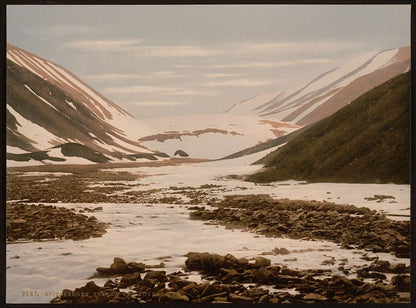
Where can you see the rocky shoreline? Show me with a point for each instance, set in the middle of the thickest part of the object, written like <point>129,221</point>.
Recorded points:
<point>41,222</point>
<point>350,226</point>
<point>134,283</point>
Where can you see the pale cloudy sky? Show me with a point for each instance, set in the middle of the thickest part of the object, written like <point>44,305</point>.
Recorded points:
<point>162,60</point>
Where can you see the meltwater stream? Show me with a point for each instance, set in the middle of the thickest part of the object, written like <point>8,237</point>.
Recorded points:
<point>38,271</point>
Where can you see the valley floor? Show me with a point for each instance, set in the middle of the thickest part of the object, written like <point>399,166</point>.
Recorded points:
<point>147,209</point>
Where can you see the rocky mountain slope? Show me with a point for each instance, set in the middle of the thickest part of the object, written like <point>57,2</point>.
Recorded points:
<point>328,92</point>
<point>366,141</point>
<point>48,107</point>
<point>263,121</point>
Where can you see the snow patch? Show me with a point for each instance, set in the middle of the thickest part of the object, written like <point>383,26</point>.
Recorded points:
<point>32,131</point>
<point>41,98</point>
<point>15,150</point>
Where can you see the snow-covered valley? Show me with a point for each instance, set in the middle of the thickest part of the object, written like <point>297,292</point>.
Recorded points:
<point>154,233</point>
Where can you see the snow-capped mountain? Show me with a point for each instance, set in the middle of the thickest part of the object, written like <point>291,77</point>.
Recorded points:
<point>328,92</point>
<point>273,115</point>
<point>48,106</point>
<point>52,112</point>
<point>212,136</point>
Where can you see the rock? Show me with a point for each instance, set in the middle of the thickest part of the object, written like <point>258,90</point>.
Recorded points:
<point>181,153</point>
<point>91,288</point>
<point>98,208</point>
<point>156,275</point>
<point>104,271</point>
<point>240,299</point>
<point>129,279</point>
<point>401,283</point>
<point>264,299</point>
<point>230,261</point>
<point>67,294</point>
<point>110,284</point>
<point>210,263</point>
<point>136,267</point>
<point>228,275</point>
<point>212,289</point>
<point>403,251</point>
<point>242,261</point>
<point>119,266</point>
<point>263,275</point>
<point>315,297</point>
<point>380,265</point>
<point>262,262</point>
<point>173,297</point>
<point>288,271</point>
<point>211,297</point>
<point>397,268</point>
<point>281,251</point>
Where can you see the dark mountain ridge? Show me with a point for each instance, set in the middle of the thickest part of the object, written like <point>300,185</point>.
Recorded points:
<point>367,141</point>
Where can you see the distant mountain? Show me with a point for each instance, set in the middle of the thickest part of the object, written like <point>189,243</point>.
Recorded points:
<point>48,106</point>
<point>367,141</point>
<point>328,92</point>
<point>212,136</point>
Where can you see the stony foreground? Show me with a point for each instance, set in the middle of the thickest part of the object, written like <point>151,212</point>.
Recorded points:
<point>347,225</point>
<point>135,283</point>
<point>47,222</point>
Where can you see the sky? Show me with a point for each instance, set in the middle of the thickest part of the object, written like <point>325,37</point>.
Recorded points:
<point>194,59</point>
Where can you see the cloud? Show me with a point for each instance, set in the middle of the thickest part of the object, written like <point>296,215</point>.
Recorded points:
<point>160,90</point>
<point>113,76</point>
<point>139,89</point>
<point>140,48</point>
<point>176,51</point>
<point>259,64</point>
<point>110,76</point>
<point>194,93</point>
<point>298,46</point>
<point>104,45</point>
<point>222,75</point>
<point>165,74</point>
<point>158,103</point>
<point>237,83</point>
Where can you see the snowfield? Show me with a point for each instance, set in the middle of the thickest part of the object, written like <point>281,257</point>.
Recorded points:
<point>147,232</point>
<point>242,132</point>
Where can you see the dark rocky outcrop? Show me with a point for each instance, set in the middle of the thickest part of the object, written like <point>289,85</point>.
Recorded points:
<point>46,222</point>
<point>230,275</point>
<point>350,226</point>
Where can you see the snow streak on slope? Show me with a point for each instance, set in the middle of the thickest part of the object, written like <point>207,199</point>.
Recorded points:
<point>103,108</point>
<point>333,87</point>
<point>44,139</point>
<point>64,109</point>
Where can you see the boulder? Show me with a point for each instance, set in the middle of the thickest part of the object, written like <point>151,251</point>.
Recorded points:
<point>281,251</point>
<point>129,279</point>
<point>210,263</point>
<point>136,267</point>
<point>263,275</point>
<point>173,297</point>
<point>315,297</point>
<point>401,283</point>
<point>119,266</point>
<point>262,262</point>
<point>240,299</point>
<point>156,275</point>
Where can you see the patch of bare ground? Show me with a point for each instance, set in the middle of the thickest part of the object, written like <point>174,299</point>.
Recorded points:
<point>40,222</point>
<point>347,225</point>
<point>178,135</point>
<point>98,166</point>
<point>74,187</point>
<point>231,276</point>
